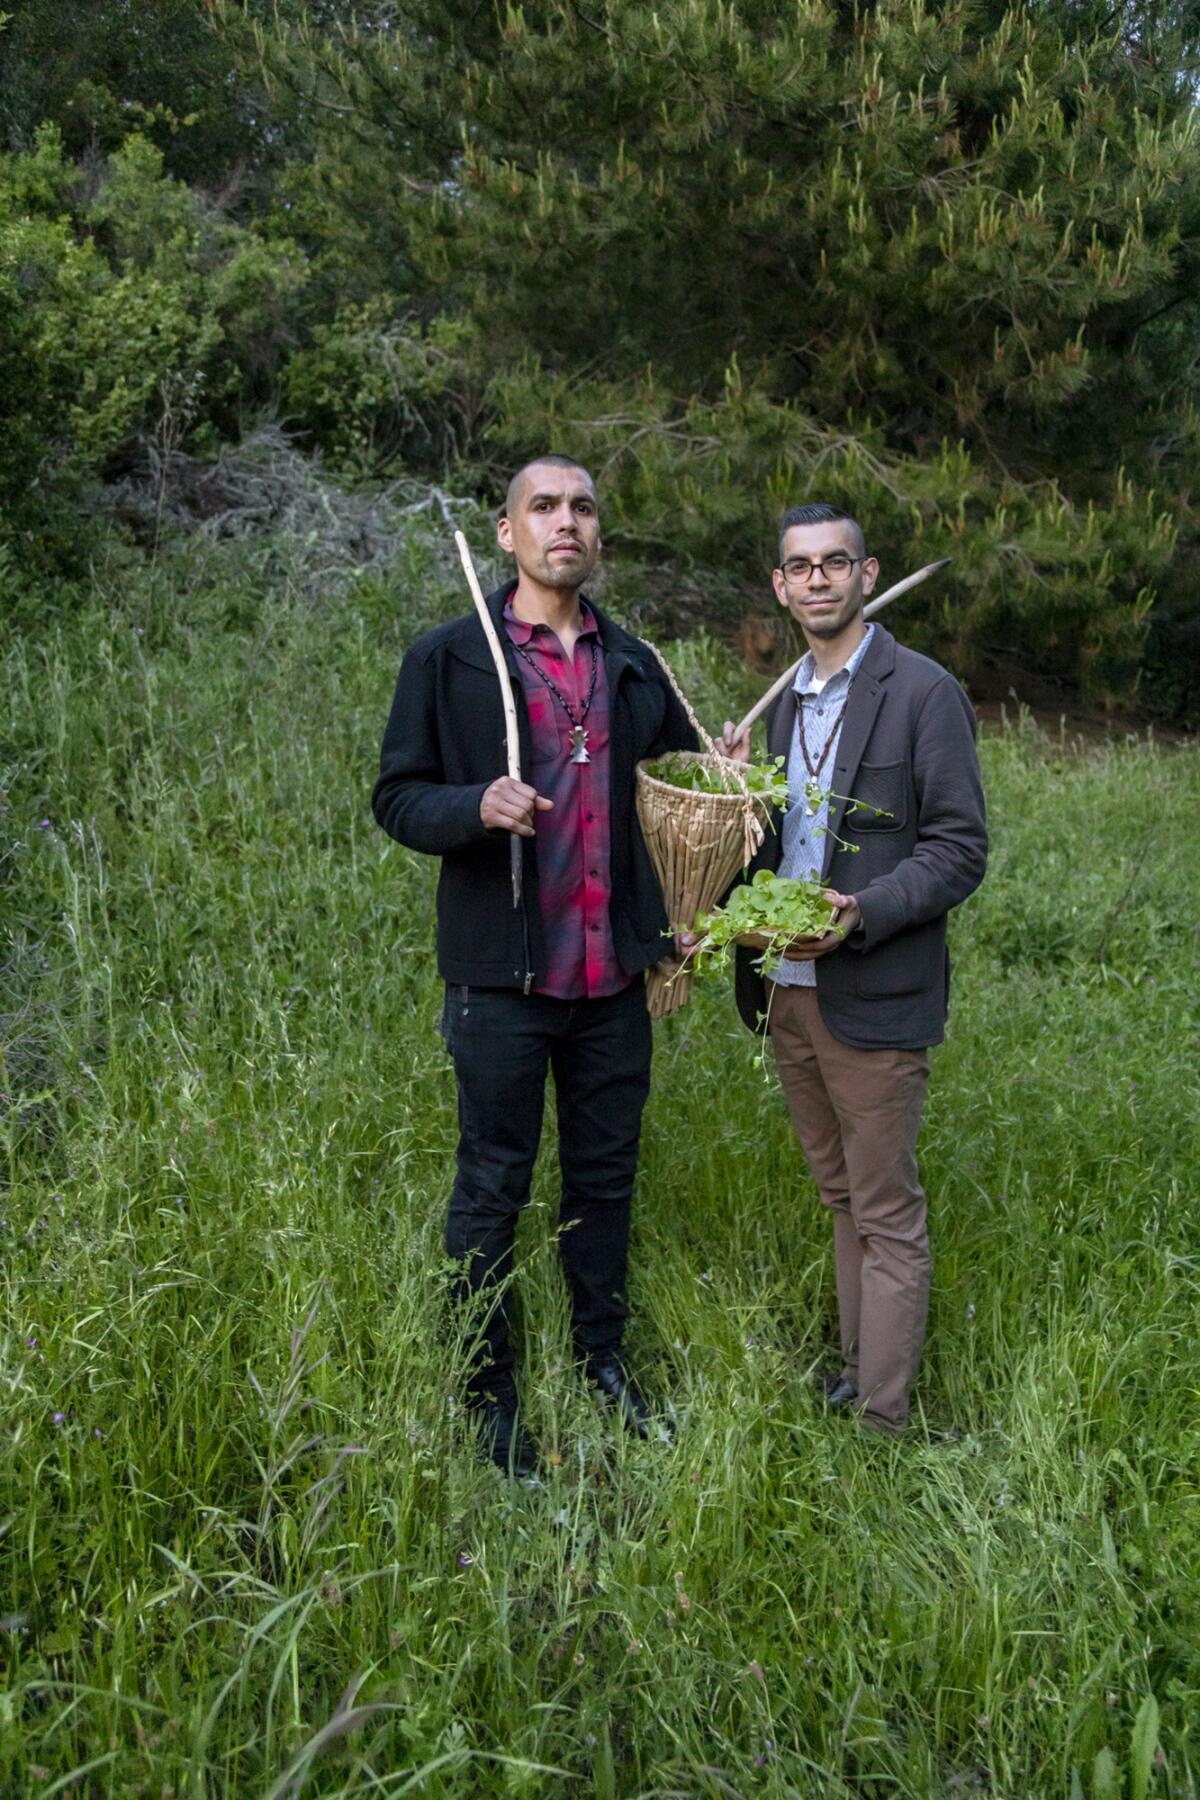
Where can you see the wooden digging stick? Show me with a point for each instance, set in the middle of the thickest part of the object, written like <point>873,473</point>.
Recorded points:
<point>872,607</point>
<point>506,695</point>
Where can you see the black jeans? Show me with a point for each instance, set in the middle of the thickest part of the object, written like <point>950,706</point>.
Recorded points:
<point>502,1043</point>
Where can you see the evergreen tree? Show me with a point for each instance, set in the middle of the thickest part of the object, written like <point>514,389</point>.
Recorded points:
<point>938,260</point>
<point>935,259</point>
<point>99,69</point>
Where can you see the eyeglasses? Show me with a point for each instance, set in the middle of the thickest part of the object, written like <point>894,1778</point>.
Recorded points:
<point>835,567</point>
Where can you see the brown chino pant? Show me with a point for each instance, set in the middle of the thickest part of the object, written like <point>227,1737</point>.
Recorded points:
<point>856,1114</point>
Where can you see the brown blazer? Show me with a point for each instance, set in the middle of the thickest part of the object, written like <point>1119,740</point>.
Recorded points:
<point>907,745</point>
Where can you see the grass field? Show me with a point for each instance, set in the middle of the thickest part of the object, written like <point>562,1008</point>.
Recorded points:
<point>246,1549</point>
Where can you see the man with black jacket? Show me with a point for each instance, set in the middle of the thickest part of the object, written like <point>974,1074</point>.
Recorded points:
<point>852,1016</point>
<point>556,981</point>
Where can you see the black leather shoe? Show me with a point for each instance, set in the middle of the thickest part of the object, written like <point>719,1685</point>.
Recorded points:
<point>841,1394</point>
<point>505,1441</point>
<point>621,1391</point>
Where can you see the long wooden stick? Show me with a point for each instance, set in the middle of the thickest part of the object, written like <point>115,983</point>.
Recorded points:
<point>871,608</point>
<point>506,694</point>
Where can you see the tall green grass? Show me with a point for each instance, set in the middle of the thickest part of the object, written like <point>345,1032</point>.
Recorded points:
<point>246,1547</point>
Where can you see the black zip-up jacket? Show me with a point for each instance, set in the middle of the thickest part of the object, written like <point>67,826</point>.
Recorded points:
<point>444,745</point>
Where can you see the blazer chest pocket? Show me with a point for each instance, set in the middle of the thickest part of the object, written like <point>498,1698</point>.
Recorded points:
<point>879,797</point>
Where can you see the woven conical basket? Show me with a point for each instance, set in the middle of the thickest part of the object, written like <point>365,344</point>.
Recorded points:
<point>697,843</point>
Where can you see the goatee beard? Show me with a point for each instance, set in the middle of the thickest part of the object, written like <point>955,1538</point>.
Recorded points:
<point>831,628</point>
<point>571,579</point>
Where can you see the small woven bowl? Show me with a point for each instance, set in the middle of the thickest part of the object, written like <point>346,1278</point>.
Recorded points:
<point>758,940</point>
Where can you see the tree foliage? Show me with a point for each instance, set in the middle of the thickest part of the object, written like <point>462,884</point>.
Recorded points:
<point>936,259</point>
<point>126,307</point>
<point>100,69</point>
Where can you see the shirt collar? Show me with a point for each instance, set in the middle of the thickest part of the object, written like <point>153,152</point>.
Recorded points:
<point>521,630</point>
<point>806,672</point>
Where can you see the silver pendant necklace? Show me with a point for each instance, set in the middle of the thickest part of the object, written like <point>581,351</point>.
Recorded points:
<point>578,734</point>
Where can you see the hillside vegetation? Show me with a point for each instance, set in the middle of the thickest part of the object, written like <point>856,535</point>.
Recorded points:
<point>933,259</point>
<point>246,1546</point>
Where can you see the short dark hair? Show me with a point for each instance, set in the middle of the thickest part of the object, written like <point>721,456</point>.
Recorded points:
<point>554,460</point>
<point>818,513</point>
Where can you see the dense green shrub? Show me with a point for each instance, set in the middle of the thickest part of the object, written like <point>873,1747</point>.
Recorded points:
<point>372,385</point>
<point>127,306</point>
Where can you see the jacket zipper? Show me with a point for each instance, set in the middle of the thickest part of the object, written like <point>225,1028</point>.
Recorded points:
<point>525,936</point>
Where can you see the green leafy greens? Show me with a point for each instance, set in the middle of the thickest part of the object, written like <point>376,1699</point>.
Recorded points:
<point>774,907</point>
<point>766,781</point>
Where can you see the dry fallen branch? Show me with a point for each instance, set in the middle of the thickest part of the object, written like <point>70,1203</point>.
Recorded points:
<point>265,489</point>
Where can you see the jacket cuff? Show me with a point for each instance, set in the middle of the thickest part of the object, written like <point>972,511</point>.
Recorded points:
<point>470,827</point>
<point>879,918</point>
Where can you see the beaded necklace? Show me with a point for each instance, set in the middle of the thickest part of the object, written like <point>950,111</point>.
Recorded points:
<point>579,736</point>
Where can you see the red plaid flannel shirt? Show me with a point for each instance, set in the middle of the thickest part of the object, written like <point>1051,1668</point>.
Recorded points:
<point>574,877</point>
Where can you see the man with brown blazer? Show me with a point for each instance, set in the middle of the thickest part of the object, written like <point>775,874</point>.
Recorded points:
<point>852,1016</point>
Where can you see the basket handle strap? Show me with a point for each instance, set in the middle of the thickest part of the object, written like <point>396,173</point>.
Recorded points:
<point>720,761</point>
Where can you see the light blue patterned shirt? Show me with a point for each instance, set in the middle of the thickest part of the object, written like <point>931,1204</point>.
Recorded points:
<point>804,831</point>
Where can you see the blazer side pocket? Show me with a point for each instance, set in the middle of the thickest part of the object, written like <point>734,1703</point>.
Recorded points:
<point>906,964</point>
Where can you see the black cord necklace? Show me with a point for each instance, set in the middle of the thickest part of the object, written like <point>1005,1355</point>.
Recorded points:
<point>579,752</point>
<point>814,769</point>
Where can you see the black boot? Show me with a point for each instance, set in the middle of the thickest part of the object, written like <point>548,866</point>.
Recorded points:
<point>607,1372</point>
<point>503,1439</point>
<point>837,1390</point>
